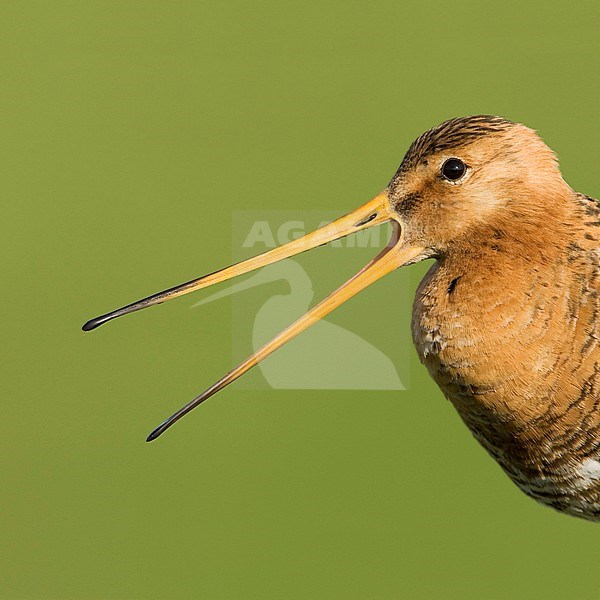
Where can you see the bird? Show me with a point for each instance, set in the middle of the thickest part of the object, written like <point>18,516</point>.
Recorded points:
<point>506,320</point>
<point>327,356</point>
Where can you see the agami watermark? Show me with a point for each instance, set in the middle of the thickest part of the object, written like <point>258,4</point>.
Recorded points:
<point>346,351</point>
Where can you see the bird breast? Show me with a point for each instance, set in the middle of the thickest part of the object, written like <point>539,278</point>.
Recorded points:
<point>514,347</point>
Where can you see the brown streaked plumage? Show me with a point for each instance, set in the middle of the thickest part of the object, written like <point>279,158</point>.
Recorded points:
<point>506,320</point>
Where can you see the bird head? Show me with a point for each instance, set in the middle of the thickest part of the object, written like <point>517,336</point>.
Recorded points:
<point>472,174</point>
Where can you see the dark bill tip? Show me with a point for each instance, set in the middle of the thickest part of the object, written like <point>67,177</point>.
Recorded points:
<point>96,322</point>
<point>156,432</point>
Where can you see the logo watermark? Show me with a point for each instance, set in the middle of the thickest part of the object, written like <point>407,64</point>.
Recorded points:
<point>362,345</point>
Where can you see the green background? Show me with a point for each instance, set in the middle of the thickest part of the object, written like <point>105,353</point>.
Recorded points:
<point>129,132</point>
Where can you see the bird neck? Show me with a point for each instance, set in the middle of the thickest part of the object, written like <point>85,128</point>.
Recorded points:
<point>531,229</point>
<point>501,322</point>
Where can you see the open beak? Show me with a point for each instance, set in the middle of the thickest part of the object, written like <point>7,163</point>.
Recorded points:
<point>395,254</point>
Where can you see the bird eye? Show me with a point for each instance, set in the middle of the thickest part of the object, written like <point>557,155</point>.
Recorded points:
<point>453,169</point>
